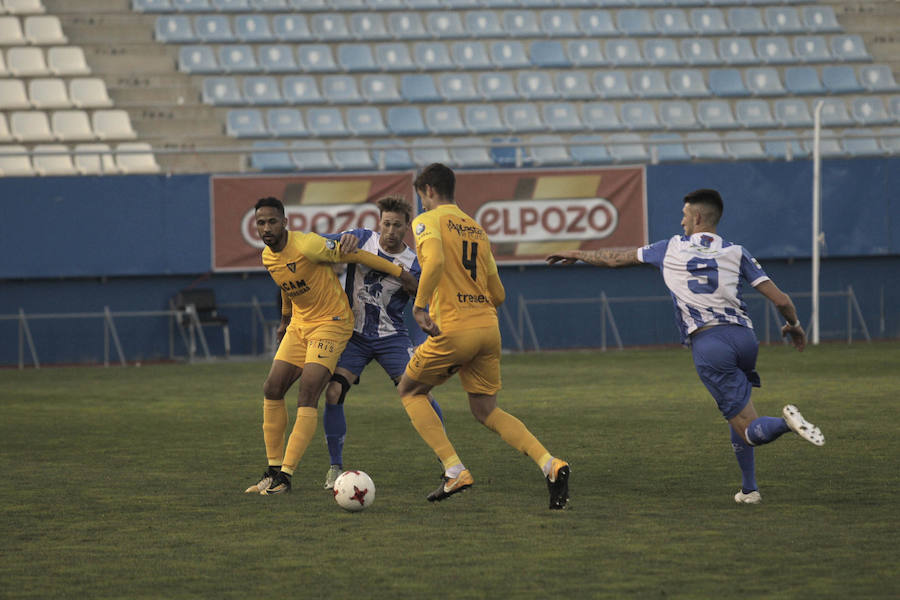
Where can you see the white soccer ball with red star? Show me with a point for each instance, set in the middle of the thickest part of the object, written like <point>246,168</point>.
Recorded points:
<point>354,491</point>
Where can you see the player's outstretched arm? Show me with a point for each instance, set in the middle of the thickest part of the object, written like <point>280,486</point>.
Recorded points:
<point>599,258</point>
<point>786,307</point>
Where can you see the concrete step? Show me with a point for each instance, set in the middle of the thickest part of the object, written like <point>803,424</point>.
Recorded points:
<point>64,7</point>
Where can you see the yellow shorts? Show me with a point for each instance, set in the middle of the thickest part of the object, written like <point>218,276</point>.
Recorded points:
<point>321,343</point>
<point>474,353</point>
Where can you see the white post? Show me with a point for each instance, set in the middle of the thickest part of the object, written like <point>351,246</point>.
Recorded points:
<point>816,216</point>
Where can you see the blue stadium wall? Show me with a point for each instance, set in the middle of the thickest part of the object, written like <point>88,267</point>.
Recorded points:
<point>131,242</point>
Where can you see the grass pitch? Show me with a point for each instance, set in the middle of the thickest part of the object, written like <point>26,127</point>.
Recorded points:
<point>127,483</point>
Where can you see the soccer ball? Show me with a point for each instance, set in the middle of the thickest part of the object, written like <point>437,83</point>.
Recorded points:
<point>354,491</point>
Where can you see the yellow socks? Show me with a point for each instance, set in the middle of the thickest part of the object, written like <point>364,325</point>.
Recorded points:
<point>429,426</point>
<point>514,433</point>
<point>275,420</point>
<point>304,428</point>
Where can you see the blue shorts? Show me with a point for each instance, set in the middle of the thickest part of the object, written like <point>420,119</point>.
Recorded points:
<point>725,358</point>
<point>392,353</point>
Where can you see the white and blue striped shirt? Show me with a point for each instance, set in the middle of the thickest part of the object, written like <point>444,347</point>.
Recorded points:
<point>703,274</point>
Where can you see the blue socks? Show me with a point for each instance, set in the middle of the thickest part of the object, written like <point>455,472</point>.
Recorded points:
<point>744,454</point>
<point>766,429</point>
<point>335,426</point>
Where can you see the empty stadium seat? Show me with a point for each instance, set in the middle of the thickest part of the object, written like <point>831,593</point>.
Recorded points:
<point>589,150</point>
<point>379,88</point>
<point>11,32</point>
<point>639,115</point>
<point>430,150</point>
<point>559,23</point>
<point>151,5</point>
<point>24,7</point>
<point>94,159</point>
<point>754,113</point>
<point>271,161</point>
<point>469,153</point>
<point>662,52</point>
<point>601,116</point>
<point>829,147</point>
<point>549,54</point>
<point>612,84</point>
<point>840,79</point>
<point>470,55</point>
<point>704,145</point>
<point>406,120</point>
<point>699,51</point>
<point>311,155</point>
<point>650,84</point>
<point>316,58</point>
<point>238,58</point>
<point>444,120</point>
<point>245,122</point>
<point>585,53</point>
<point>677,114</point>
<point>13,94</point>
<point>270,5</point>
<point>737,51</point>
<point>633,22</point>
<point>561,116</point>
<point>112,125</point>
<point>286,122</point>
<point>671,150</point>
<point>894,107</point>
<point>368,26</point>
<point>44,30</point>
<point>774,50</point>
<point>497,86</point>
<point>72,125</point>
<point>764,81</point>
<point>596,23</point>
<point>349,156</point>
<point>522,117</point>
<point>709,21</point>
<point>52,159</point>
<point>291,28</point>
<point>548,150</point>
<point>388,155</point>
<point>860,142</point>
<point>628,148</point>
<point>715,114</point>
<point>727,83</point>
<point>253,28</point>
<point>688,83</point>
<point>197,59</point>
<point>51,93</point>
<point>356,58</point>
<point>277,58</point>
<point>890,140</point>
<point>672,22</point>
<point>26,62</point>
<point>811,49</point>
<point>432,56</point>
<point>793,112</point>
<point>191,5</point>
<point>834,113</point>
<point>624,53</point>
<point>803,80</point>
<point>213,28</point>
<point>419,88</point>
<point>329,27</point>
<point>870,111</point>
<point>136,157</point>
<point>820,19</point>
<point>340,89</point>
<point>521,23</point>
<point>746,20</point>
<point>261,90</point>
<point>574,85</point>
<point>483,118</point>
<point>878,79</point>
<point>483,24</point>
<point>781,148</point>
<point>30,126</point>
<point>174,29</point>
<point>849,48</point>
<point>14,162</point>
<point>394,57</point>
<point>444,24</point>
<point>509,55</point>
<point>326,122</point>
<point>783,19</point>
<point>743,145</point>
<point>406,26</point>
<point>301,89</point>
<point>535,85</point>
<point>457,87</point>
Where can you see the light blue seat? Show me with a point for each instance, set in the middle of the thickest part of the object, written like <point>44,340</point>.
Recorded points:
<point>269,5</point>
<point>497,86</point>
<point>870,111</point>
<point>596,23</point>
<point>445,24</point>
<point>470,55</point>
<point>470,153</point>
<point>509,55</point>
<point>277,58</point>
<point>704,145</point>
<point>820,19</point>
<point>811,49</point>
<point>245,123</point>
<point>662,52</point>
<point>561,116</point>
<point>356,58</point>
<point>457,87</point>
<point>301,89</point>
<point>849,48</point>
<point>174,29</point>
<point>834,113</point>
<point>394,57</point>
<point>419,88</point>
<point>483,118</point>
<point>709,21</point>
<point>521,23</point>
<point>262,90</point>
<point>890,140</point>
<point>764,81</point>
<point>549,151</point>
<point>744,145</point>
<point>639,115</point>
<point>612,84</point>
<point>444,120</point>
<point>379,89</point>
<point>406,120</point>
<point>238,58</point>
<point>522,117</point>
<point>601,116</point>
<point>311,156</point>
<point>223,91</point>
<point>316,58</point>
<point>894,107</point>
<point>783,19</point>
<point>483,24</point>
<point>782,149</point>
<point>677,114</point>
<point>340,89</point>
<point>802,80</point>
<point>688,83</point>
<point>231,5</point>
<point>585,53</point>
<point>737,51</point>
<point>548,54</point>
<point>286,122</point>
<point>628,148</point>
<point>366,120</point>
<point>671,148</point>
<point>191,5</point>
<point>508,153</point>
<point>861,142</point>
<point>432,56</point>
<point>574,85</point>
<point>329,27</point>
<point>840,79</point>
<point>388,156</point>
<point>589,150</point>
<point>746,21</point>
<point>672,22</point>
<point>727,83</point>
<point>559,23</point>
<point>754,113</point>
<point>715,114</point>
<point>650,84</point>
<point>407,26</point>
<point>634,22</point>
<point>270,161</point>
<point>624,53</point>
<point>368,26</point>
<point>213,28</point>
<point>291,28</point>
<point>774,50</point>
<point>309,5</point>
<point>151,6</point>
<point>878,79</point>
<point>699,51</point>
<point>535,85</point>
<point>829,147</point>
<point>793,113</point>
<point>326,122</point>
<point>430,150</point>
<point>253,28</point>
<point>386,4</point>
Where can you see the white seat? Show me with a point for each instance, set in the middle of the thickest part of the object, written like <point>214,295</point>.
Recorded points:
<point>69,125</point>
<point>24,7</point>
<point>89,93</point>
<point>47,160</point>
<point>44,30</point>
<point>13,95</point>
<point>48,93</point>
<point>30,126</point>
<point>137,159</point>
<point>26,62</point>
<point>12,166</point>
<point>113,125</point>
<point>11,32</point>
<point>90,159</point>
<point>67,60</point>
<point>5,135</point>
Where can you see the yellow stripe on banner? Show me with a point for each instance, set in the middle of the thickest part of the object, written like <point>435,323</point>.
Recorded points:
<point>566,186</point>
<point>336,192</point>
<point>543,248</point>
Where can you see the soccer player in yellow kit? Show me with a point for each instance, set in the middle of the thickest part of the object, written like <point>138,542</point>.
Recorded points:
<point>316,324</point>
<point>460,282</point>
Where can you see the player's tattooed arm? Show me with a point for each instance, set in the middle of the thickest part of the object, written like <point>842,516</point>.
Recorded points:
<point>611,258</point>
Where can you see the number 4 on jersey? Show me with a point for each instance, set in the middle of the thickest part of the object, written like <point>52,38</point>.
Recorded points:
<point>470,261</point>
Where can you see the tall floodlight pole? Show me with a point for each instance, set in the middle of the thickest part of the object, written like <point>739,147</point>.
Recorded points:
<point>816,218</point>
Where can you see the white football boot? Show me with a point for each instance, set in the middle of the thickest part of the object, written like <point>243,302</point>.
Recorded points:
<point>801,426</point>
<point>751,498</point>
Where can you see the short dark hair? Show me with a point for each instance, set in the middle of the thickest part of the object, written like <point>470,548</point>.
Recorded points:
<point>270,201</point>
<point>397,204</point>
<point>709,202</point>
<point>439,177</point>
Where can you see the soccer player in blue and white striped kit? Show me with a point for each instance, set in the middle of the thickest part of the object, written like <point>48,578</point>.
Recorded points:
<point>703,273</point>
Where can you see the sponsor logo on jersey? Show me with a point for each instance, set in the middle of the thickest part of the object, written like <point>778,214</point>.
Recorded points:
<point>471,298</point>
<point>330,244</point>
<point>420,228</point>
<point>292,267</point>
<point>464,229</point>
<point>295,288</point>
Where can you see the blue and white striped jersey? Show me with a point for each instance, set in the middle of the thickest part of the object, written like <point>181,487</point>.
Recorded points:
<point>703,274</point>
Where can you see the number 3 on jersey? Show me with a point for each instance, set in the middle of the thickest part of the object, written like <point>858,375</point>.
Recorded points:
<point>703,268</point>
<point>470,261</point>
